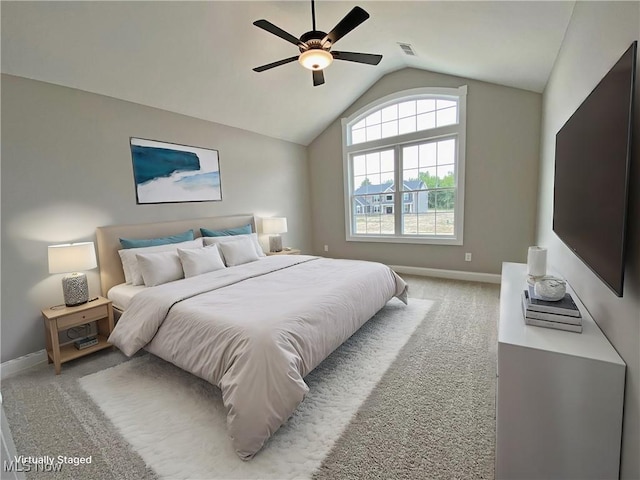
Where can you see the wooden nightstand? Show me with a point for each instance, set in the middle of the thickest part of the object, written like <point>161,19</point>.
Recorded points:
<point>59,319</point>
<point>293,251</point>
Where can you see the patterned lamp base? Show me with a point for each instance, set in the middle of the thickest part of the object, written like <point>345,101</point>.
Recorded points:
<point>75,288</point>
<point>275,243</point>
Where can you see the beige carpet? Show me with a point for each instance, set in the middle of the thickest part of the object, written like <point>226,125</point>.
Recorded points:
<point>430,416</point>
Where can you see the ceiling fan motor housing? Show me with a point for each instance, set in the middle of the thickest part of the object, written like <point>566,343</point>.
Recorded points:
<point>313,35</point>
<point>314,40</point>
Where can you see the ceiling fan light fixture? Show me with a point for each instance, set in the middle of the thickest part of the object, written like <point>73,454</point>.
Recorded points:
<point>315,59</point>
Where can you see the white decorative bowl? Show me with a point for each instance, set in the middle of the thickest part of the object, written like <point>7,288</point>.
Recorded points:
<point>550,288</point>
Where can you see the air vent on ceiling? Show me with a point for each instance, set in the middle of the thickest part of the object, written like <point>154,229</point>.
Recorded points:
<point>407,49</point>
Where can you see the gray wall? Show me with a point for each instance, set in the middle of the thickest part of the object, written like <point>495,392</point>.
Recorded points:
<point>598,34</point>
<point>66,169</point>
<point>503,133</point>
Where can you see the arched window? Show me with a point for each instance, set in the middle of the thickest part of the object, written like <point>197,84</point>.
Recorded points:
<point>404,167</point>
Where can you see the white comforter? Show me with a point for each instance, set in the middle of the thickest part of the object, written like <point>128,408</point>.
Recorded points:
<point>257,330</point>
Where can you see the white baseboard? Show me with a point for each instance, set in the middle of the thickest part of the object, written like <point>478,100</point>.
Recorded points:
<point>19,364</point>
<point>450,274</point>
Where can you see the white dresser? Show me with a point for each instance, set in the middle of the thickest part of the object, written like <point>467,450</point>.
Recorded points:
<point>559,395</point>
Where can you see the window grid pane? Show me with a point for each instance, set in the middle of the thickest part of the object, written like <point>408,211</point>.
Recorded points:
<point>358,135</point>
<point>359,165</point>
<point>359,181</point>
<point>442,103</point>
<point>387,161</point>
<point>390,113</point>
<point>373,119</point>
<point>428,154</point>
<point>446,175</point>
<point>446,151</point>
<point>407,109</point>
<point>429,191</point>
<point>360,124</point>
<point>424,163</point>
<point>405,117</point>
<point>446,116</point>
<point>426,105</point>
<point>390,129</point>
<point>373,214</point>
<point>373,173</point>
<point>412,174</point>
<point>373,162</point>
<point>417,217</point>
<point>426,121</point>
<point>374,132</point>
<point>406,125</point>
<point>445,212</point>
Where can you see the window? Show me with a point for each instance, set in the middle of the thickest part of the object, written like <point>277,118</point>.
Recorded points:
<point>411,143</point>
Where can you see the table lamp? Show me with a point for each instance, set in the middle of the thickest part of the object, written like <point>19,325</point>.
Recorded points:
<point>69,258</point>
<point>274,226</point>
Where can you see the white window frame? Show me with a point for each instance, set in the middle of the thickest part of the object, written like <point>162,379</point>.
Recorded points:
<point>457,130</point>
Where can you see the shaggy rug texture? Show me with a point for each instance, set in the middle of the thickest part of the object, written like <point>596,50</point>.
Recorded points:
<point>430,416</point>
<point>177,422</point>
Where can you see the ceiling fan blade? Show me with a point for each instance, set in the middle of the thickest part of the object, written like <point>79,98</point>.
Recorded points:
<point>368,58</point>
<point>318,77</point>
<point>351,20</point>
<point>271,28</point>
<point>275,64</point>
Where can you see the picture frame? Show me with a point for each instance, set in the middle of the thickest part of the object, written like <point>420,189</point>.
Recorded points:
<point>165,172</point>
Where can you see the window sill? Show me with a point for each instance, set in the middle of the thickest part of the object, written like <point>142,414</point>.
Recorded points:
<point>405,239</point>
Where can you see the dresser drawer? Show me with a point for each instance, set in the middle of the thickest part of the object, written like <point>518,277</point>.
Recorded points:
<point>85,316</point>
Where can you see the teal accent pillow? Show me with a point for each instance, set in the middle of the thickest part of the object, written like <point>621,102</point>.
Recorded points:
<point>152,242</point>
<point>226,232</point>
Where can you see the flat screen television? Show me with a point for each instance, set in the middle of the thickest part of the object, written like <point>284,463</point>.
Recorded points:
<point>593,156</point>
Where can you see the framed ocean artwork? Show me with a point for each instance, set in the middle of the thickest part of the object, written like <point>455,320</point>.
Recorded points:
<point>169,173</point>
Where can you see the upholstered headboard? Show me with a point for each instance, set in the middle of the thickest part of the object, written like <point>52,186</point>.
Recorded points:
<point>108,240</point>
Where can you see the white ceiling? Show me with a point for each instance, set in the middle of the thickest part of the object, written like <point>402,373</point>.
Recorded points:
<point>196,58</point>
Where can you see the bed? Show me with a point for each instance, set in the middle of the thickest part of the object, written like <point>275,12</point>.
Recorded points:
<point>255,329</point>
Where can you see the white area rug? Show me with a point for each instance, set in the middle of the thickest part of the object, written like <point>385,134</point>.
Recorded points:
<point>177,423</point>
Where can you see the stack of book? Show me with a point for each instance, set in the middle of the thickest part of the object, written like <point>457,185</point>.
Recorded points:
<point>562,314</point>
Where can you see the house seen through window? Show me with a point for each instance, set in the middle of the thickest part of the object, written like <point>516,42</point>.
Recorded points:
<point>404,167</point>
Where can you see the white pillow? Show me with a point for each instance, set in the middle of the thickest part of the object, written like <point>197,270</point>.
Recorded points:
<point>233,238</point>
<point>161,267</point>
<point>238,252</point>
<point>132,273</point>
<point>200,260</point>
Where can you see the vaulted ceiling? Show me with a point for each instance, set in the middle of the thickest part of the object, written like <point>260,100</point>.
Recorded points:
<point>196,58</point>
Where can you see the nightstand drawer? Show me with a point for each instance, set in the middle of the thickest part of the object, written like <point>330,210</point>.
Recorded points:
<point>85,316</point>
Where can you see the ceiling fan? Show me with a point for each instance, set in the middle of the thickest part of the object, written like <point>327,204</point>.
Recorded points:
<point>315,46</point>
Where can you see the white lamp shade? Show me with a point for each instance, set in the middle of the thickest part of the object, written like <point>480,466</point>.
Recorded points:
<point>315,59</point>
<point>72,257</point>
<point>274,225</point>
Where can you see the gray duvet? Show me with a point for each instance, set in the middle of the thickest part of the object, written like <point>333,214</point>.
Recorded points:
<point>256,330</point>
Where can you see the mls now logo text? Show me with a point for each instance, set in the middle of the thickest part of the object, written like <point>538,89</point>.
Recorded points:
<point>16,465</point>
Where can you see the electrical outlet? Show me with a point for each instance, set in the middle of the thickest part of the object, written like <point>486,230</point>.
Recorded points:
<point>467,257</point>
<point>326,248</point>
